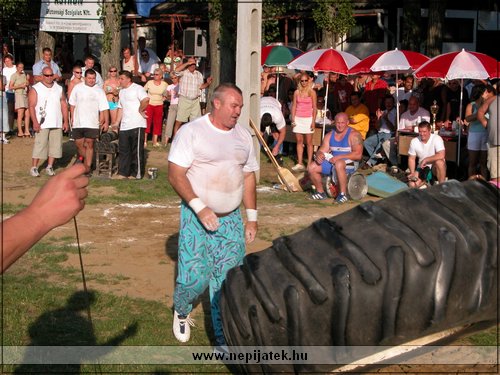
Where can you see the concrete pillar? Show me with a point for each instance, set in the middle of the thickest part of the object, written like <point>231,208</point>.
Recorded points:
<point>248,49</point>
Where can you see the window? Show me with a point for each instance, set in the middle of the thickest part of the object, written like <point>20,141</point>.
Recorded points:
<point>366,30</point>
<point>458,30</point>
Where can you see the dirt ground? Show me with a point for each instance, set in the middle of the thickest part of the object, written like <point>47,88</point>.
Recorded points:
<point>137,243</point>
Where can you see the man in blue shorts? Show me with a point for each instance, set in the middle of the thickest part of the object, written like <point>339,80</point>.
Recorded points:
<point>338,156</point>
<point>212,167</point>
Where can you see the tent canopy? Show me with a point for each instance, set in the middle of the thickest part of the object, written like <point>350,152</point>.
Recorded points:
<point>144,6</point>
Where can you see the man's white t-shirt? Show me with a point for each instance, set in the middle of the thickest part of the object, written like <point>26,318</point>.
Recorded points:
<point>424,150</point>
<point>270,105</point>
<point>88,102</point>
<point>407,119</point>
<point>148,67</point>
<point>216,161</point>
<point>130,101</point>
<point>98,78</point>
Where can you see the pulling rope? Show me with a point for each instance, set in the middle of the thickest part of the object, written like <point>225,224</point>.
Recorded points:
<point>97,368</point>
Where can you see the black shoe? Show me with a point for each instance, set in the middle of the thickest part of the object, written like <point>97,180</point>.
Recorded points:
<point>280,160</point>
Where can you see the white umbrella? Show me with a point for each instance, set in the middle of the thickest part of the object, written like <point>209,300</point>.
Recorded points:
<point>324,60</point>
<point>394,61</point>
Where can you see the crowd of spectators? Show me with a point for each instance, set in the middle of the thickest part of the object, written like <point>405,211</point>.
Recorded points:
<point>175,91</point>
<point>146,98</point>
<point>370,102</point>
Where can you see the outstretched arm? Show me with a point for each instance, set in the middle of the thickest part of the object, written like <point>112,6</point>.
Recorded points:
<point>60,199</point>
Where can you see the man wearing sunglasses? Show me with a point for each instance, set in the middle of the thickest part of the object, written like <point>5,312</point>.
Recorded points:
<point>49,114</point>
<point>147,65</point>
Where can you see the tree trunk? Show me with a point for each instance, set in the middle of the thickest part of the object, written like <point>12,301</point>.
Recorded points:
<point>214,51</point>
<point>110,55</point>
<point>328,39</point>
<point>44,40</point>
<point>411,25</point>
<point>435,29</point>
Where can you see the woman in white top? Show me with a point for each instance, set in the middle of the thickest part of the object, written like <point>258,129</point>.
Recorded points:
<point>156,91</point>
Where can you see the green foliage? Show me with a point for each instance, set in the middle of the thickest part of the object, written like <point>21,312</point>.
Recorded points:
<point>12,7</point>
<point>335,16</point>
<point>271,11</point>
<point>215,9</point>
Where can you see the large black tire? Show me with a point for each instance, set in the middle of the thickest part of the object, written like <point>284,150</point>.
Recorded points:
<point>382,273</point>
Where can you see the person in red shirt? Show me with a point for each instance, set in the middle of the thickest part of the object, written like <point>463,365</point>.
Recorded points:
<point>375,91</point>
<point>374,95</point>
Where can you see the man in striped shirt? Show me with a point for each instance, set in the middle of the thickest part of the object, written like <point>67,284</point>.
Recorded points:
<point>190,85</point>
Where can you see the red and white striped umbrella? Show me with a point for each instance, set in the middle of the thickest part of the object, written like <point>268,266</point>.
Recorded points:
<point>390,61</point>
<point>324,60</point>
<point>459,65</point>
<point>394,61</point>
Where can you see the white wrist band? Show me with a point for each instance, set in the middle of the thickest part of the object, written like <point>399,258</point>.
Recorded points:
<point>197,205</point>
<point>251,214</point>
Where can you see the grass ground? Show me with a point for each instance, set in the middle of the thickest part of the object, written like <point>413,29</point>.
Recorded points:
<point>43,303</point>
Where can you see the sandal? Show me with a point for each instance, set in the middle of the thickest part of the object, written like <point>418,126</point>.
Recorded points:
<point>319,196</point>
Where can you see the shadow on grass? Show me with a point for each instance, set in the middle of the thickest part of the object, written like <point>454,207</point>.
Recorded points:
<point>67,326</point>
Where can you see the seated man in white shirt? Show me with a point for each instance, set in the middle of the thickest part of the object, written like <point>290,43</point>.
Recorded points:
<point>414,115</point>
<point>408,120</point>
<point>430,151</point>
<point>273,123</point>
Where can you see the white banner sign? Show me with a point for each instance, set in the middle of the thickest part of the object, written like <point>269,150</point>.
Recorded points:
<point>71,16</point>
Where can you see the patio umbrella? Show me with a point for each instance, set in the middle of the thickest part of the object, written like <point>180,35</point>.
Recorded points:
<point>393,61</point>
<point>278,55</point>
<point>325,60</point>
<point>459,65</point>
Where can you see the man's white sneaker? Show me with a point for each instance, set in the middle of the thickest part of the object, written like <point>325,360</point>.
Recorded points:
<point>34,172</point>
<point>182,327</point>
<point>50,171</point>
